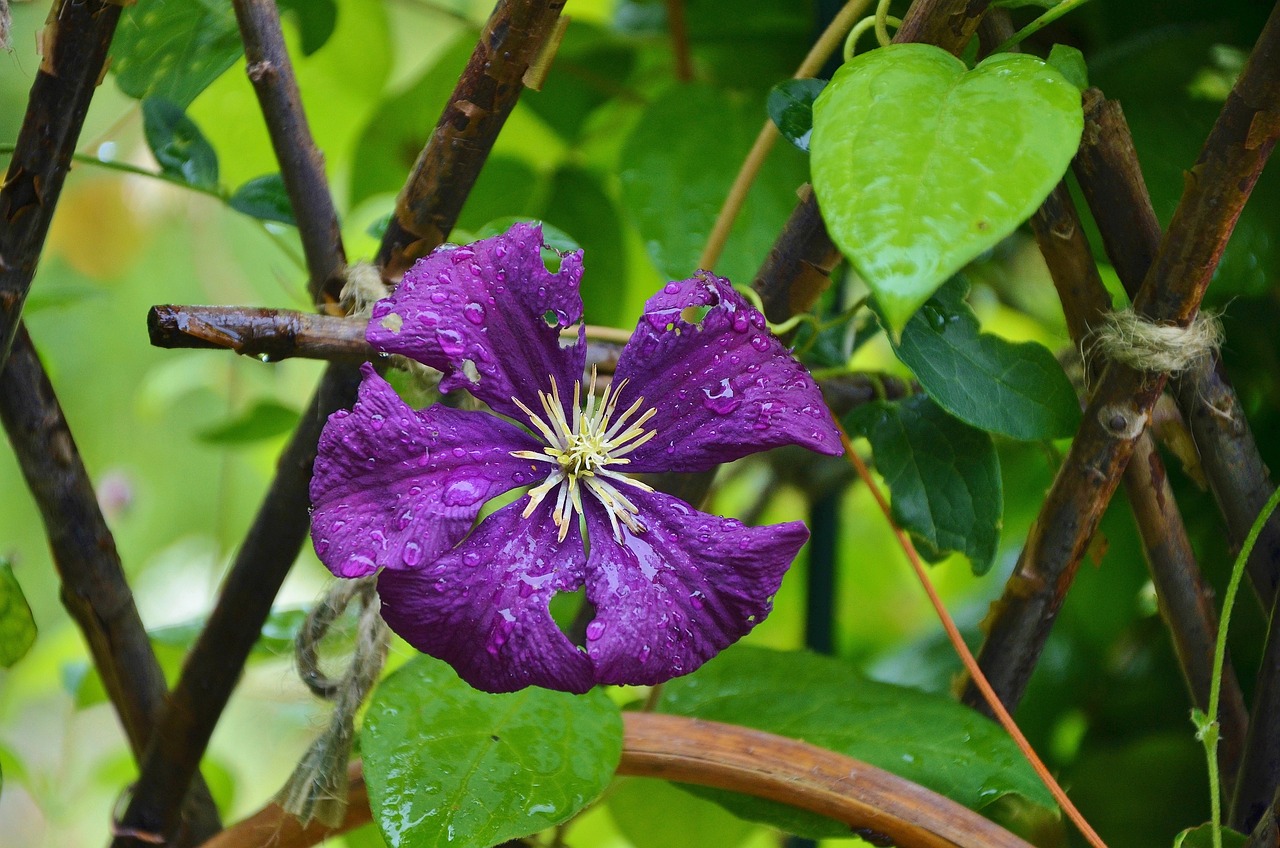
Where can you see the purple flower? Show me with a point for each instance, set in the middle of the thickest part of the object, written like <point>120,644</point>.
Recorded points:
<point>399,490</point>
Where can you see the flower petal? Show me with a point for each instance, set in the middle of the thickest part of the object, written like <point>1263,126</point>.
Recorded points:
<point>723,388</point>
<point>673,596</point>
<point>482,607</point>
<point>394,488</point>
<point>479,314</point>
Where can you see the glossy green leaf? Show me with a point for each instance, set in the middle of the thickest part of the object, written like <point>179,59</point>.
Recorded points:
<point>921,165</point>
<point>679,162</point>
<point>173,49</point>
<point>315,19</point>
<point>927,739</point>
<point>449,765</point>
<point>264,420</point>
<point>790,106</point>
<point>264,198</point>
<point>1202,837</point>
<point>944,476</point>
<point>655,814</point>
<point>279,632</point>
<point>17,627</point>
<point>1070,63</point>
<point>177,143</point>
<point>1015,389</point>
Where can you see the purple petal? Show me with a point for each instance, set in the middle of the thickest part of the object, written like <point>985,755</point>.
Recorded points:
<point>671,597</point>
<point>723,388</point>
<point>478,313</point>
<point>394,488</point>
<point>482,607</point>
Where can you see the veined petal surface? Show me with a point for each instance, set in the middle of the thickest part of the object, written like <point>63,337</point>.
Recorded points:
<point>722,387</point>
<point>671,597</point>
<point>394,487</point>
<point>488,316</point>
<point>482,607</point>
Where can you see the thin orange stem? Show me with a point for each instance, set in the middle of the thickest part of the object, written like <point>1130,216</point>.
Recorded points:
<point>966,656</point>
<point>822,49</point>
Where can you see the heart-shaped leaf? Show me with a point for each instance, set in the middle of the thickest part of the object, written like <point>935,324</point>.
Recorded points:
<point>920,165</point>
<point>790,107</point>
<point>264,198</point>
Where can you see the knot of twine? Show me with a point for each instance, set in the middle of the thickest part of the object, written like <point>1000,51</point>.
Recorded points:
<point>363,288</point>
<point>1144,345</point>
<point>317,789</point>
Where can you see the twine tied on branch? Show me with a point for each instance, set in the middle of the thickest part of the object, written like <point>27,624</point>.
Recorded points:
<point>317,789</point>
<point>1128,338</point>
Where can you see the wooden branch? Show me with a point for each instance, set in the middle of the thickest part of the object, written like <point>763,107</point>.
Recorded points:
<point>428,206</point>
<point>872,802</point>
<point>1111,179</point>
<point>94,589</point>
<point>1119,410</point>
<point>267,334</point>
<point>280,527</point>
<point>76,37</point>
<point>947,23</point>
<point>301,163</point>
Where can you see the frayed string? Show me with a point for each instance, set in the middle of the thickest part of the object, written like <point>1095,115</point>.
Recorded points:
<point>1143,345</point>
<point>317,789</point>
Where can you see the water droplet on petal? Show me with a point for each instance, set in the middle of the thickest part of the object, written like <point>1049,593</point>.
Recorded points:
<point>595,630</point>
<point>450,342</point>
<point>462,493</point>
<point>322,547</point>
<point>460,452</point>
<point>643,656</point>
<point>438,297</point>
<point>671,288</point>
<point>474,313</point>
<point>760,343</point>
<point>471,558</point>
<point>721,401</point>
<point>412,554</point>
<point>741,323</point>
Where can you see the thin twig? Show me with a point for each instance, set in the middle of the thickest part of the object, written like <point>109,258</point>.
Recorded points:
<point>966,656</point>
<point>1121,405</point>
<point>76,37</point>
<point>94,588</point>
<point>822,50</point>
<point>688,750</point>
<point>301,164</point>
<point>679,29</point>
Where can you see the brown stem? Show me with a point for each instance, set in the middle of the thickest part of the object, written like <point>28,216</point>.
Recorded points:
<point>679,28</point>
<point>94,589</point>
<point>870,801</point>
<point>947,23</point>
<point>268,334</point>
<point>1121,405</point>
<point>485,95</point>
<point>301,163</point>
<point>1111,180</point>
<point>75,39</point>
<point>280,526</point>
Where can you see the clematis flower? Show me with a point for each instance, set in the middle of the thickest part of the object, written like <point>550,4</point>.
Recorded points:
<point>399,490</point>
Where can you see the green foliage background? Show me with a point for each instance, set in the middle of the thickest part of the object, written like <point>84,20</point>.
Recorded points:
<point>1106,707</point>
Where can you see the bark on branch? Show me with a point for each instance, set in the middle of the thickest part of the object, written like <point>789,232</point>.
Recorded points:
<point>1117,414</point>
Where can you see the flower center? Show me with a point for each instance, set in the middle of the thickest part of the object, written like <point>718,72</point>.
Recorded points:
<point>582,449</point>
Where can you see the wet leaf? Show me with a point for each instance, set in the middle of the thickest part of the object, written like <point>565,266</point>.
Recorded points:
<point>1015,389</point>
<point>279,632</point>
<point>921,165</point>
<point>17,627</point>
<point>1070,63</point>
<point>944,476</point>
<point>927,739</point>
<point>315,20</point>
<point>173,49</point>
<point>264,198</point>
<point>449,765</point>
<point>264,420</point>
<point>178,145</point>
<point>790,106</point>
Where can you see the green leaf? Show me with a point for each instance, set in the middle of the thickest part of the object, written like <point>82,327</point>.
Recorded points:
<point>590,62</point>
<point>263,420</point>
<point>1202,837</point>
<point>944,476</point>
<point>655,814</point>
<point>264,198</point>
<point>17,626</point>
<point>928,739</point>
<point>920,165</point>
<point>790,107</point>
<point>1070,63</point>
<point>279,632</point>
<point>1015,389</point>
<point>315,20</point>
<point>173,49</point>
<point>177,143</point>
<point>679,162</point>
<point>449,765</point>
